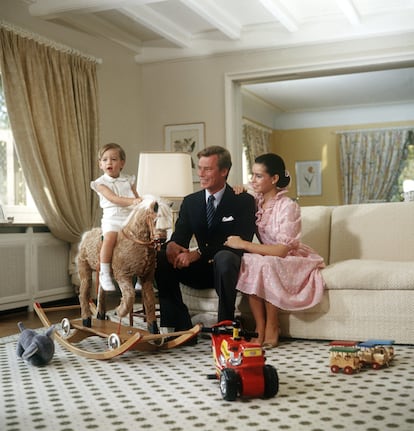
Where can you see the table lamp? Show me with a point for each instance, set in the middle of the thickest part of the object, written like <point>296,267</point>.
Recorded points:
<point>167,175</point>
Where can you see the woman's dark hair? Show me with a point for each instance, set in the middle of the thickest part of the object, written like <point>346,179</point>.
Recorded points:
<point>275,165</point>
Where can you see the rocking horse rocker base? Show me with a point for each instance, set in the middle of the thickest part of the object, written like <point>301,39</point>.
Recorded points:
<point>120,338</point>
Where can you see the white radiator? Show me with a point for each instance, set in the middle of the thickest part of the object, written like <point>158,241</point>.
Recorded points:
<point>33,267</point>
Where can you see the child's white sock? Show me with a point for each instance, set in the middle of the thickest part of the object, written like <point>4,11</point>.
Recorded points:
<point>105,279</point>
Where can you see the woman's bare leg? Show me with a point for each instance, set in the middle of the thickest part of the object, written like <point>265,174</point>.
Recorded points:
<point>271,335</point>
<point>257,307</point>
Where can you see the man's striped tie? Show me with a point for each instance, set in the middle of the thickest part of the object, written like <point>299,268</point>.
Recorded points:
<point>210,210</point>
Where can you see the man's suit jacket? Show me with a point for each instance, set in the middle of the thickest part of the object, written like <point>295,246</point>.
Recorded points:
<point>235,215</point>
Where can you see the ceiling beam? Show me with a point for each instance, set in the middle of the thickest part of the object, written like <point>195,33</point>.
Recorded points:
<point>94,25</point>
<point>158,24</point>
<point>281,14</point>
<point>51,7</point>
<point>216,16</point>
<point>349,10</point>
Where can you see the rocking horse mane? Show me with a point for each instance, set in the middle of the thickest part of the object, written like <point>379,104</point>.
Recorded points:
<point>141,221</point>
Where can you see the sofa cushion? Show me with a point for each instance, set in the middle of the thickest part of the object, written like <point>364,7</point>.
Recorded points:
<point>205,300</point>
<point>199,300</point>
<point>369,275</point>
<point>316,228</point>
<point>382,231</point>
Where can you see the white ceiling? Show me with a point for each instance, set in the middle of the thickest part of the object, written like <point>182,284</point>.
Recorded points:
<point>155,30</point>
<point>386,87</point>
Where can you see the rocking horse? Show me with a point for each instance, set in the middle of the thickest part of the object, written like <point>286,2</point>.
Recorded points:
<point>133,255</point>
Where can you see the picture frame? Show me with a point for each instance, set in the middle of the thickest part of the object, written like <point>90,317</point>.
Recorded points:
<point>308,178</point>
<point>187,138</point>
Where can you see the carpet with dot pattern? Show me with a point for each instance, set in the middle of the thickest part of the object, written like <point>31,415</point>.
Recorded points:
<point>169,390</point>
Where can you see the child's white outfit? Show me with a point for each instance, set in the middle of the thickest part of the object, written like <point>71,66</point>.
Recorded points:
<point>113,216</point>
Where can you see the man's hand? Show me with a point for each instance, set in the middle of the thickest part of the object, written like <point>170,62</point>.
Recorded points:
<point>179,256</point>
<point>173,251</point>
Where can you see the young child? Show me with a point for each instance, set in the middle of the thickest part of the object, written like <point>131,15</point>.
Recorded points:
<point>117,193</point>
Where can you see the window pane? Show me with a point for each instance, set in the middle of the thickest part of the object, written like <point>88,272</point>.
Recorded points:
<point>14,194</point>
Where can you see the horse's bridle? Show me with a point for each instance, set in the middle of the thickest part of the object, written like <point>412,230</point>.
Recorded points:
<point>152,242</point>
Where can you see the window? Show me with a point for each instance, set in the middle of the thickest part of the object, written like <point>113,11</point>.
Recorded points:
<point>15,197</point>
<point>408,170</point>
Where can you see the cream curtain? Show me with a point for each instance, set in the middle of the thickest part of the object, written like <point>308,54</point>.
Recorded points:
<point>256,141</point>
<point>51,98</point>
<point>371,162</point>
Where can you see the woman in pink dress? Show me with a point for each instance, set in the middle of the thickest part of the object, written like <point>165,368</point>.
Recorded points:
<point>279,272</point>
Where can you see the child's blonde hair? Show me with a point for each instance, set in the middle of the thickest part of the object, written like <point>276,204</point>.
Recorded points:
<point>112,146</point>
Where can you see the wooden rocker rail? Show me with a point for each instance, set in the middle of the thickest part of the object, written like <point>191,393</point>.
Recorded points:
<point>131,338</point>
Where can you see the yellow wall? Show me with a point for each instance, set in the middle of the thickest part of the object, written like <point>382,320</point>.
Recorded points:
<point>317,144</point>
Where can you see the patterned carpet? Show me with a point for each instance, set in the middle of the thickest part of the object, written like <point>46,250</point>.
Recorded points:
<point>169,390</point>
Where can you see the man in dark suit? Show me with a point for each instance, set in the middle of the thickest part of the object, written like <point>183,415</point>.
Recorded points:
<point>212,264</point>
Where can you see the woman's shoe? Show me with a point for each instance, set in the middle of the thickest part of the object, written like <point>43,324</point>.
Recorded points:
<point>269,345</point>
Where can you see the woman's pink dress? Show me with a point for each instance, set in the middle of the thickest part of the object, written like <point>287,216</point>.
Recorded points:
<point>293,282</point>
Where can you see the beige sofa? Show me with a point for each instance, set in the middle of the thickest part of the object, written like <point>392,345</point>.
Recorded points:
<point>369,252</point>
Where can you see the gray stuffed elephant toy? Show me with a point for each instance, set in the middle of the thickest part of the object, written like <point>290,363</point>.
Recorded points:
<point>36,349</point>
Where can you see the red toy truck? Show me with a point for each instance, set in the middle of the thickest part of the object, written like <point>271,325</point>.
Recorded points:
<point>240,364</point>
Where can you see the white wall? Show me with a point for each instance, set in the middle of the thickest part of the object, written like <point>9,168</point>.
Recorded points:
<point>335,117</point>
<point>258,110</point>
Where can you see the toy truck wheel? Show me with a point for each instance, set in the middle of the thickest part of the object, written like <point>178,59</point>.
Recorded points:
<point>376,366</point>
<point>335,368</point>
<point>229,384</point>
<point>348,370</point>
<point>271,381</point>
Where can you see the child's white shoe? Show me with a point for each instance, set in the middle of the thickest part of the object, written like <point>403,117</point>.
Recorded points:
<point>105,280</point>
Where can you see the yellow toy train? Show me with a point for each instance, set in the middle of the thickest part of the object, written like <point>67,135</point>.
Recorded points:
<point>352,356</point>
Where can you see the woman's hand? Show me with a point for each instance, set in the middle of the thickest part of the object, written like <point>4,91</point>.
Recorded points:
<point>239,188</point>
<point>235,242</point>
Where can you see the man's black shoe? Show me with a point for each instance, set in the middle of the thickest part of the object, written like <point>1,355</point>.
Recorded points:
<point>191,342</point>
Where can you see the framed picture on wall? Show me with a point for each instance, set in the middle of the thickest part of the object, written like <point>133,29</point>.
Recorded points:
<point>308,178</point>
<point>187,138</point>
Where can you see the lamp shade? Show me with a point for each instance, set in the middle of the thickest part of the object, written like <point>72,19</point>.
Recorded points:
<point>164,174</point>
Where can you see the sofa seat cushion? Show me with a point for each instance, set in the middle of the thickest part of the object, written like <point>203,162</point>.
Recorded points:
<point>201,301</point>
<point>369,275</point>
